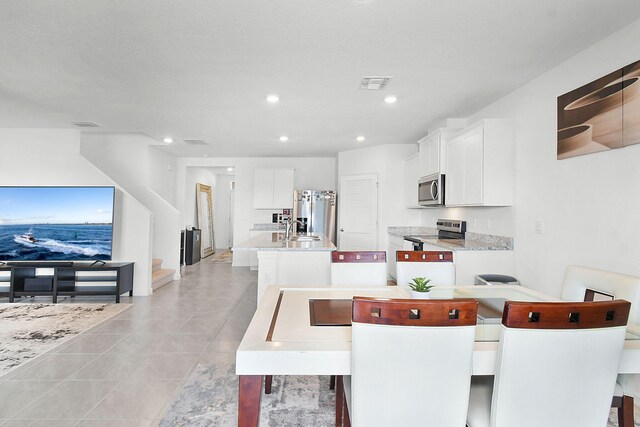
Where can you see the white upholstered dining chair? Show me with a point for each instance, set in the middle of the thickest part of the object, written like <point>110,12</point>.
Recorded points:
<point>588,284</point>
<point>358,268</point>
<point>410,363</point>
<point>434,265</point>
<point>557,365</point>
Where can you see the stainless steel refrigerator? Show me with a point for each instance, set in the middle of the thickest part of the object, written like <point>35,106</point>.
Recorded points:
<point>316,210</point>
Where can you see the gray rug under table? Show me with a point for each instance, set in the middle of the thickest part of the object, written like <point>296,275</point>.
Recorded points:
<point>210,398</point>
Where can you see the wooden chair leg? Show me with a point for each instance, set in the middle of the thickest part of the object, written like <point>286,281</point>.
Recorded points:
<point>268,379</point>
<point>339,400</point>
<point>332,382</point>
<point>625,410</point>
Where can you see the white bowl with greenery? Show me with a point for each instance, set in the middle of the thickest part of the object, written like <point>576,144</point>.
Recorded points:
<point>420,288</point>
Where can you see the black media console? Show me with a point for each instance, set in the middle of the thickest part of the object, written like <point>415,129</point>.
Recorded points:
<point>26,280</point>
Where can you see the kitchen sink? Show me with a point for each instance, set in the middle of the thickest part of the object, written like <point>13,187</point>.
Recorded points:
<point>304,238</point>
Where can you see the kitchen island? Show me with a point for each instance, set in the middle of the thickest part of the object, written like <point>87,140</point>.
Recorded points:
<point>475,254</point>
<point>288,262</point>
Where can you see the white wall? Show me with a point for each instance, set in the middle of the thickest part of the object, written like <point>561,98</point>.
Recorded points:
<point>125,158</point>
<point>195,176</point>
<point>220,187</point>
<point>387,161</point>
<point>310,173</point>
<point>589,204</point>
<point>53,158</point>
<point>162,174</point>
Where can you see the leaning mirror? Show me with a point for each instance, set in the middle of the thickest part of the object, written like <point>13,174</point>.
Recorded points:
<point>205,218</point>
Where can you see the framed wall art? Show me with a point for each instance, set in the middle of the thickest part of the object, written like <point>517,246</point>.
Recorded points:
<point>601,115</point>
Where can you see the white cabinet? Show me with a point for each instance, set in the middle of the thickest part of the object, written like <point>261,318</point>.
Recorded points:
<point>411,176</point>
<point>273,188</point>
<point>480,165</point>
<point>395,244</point>
<point>433,152</point>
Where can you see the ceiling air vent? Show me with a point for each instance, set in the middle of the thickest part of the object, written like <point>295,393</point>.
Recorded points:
<point>195,141</point>
<point>374,82</point>
<point>85,124</point>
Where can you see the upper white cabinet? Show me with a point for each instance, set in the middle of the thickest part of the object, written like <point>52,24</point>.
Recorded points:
<point>433,152</point>
<point>273,189</point>
<point>411,176</point>
<point>480,165</point>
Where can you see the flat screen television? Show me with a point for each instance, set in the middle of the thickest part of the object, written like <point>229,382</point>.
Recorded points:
<point>56,223</point>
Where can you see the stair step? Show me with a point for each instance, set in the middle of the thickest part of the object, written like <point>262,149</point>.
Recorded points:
<point>160,278</point>
<point>156,264</point>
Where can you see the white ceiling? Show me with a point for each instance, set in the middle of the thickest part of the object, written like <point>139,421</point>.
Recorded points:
<point>201,69</point>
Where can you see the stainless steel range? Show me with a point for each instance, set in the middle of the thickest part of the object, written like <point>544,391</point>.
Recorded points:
<point>447,229</point>
<point>451,228</point>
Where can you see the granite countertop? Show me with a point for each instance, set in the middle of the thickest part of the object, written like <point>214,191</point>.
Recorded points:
<point>472,241</point>
<point>269,226</point>
<point>465,244</point>
<point>412,231</point>
<point>275,242</point>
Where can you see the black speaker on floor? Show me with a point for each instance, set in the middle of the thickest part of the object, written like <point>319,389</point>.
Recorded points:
<point>192,246</point>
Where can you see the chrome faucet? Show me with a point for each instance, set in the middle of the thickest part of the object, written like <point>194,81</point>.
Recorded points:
<point>289,229</point>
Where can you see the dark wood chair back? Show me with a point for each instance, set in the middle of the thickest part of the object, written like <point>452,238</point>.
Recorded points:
<point>415,312</point>
<point>565,315</point>
<point>424,256</point>
<point>358,256</point>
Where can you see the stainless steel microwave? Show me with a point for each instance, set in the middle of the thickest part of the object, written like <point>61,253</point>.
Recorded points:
<point>431,190</point>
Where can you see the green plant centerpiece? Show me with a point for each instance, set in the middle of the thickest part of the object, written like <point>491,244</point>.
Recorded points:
<point>420,287</point>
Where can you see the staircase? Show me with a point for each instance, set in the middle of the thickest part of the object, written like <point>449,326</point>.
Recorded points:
<point>160,276</point>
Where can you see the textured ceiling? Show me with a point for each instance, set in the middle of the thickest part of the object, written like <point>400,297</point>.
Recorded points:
<point>201,69</point>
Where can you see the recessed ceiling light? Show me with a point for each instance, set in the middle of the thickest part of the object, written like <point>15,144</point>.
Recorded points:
<point>284,138</point>
<point>360,138</point>
<point>273,98</point>
<point>229,169</point>
<point>168,140</point>
<point>391,99</point>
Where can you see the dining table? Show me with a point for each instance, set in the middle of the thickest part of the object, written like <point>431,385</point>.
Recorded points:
<point>306,331</point>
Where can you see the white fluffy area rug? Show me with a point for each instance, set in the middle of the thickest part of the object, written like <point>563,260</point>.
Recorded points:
<point>30,329</point>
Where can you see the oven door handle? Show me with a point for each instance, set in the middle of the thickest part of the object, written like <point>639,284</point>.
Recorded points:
<point>434,190</point>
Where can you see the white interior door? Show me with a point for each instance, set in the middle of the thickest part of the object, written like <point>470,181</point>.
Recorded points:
<point>358,213</point>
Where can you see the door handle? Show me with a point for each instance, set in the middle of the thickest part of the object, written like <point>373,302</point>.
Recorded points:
<point>434,190</point>
<point>342,229</point>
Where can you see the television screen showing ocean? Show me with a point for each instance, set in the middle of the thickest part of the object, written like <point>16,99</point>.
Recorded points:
<point>55,242</point>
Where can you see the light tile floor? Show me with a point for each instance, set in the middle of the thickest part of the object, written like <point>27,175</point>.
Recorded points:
<point>126,371</point>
